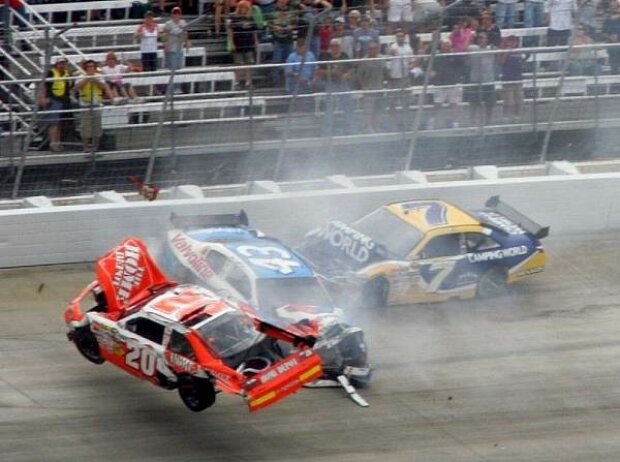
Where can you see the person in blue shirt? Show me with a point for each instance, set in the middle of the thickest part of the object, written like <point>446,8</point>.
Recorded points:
<point>299,78</point>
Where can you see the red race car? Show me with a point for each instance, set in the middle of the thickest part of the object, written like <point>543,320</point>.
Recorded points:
<point>185,336</point>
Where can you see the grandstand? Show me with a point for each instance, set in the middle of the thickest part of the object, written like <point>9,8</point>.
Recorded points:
<point>208,130</point>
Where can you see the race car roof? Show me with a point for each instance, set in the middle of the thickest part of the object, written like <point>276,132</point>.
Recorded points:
<point>183,301</point>
<point>269,259</point>
<point>430,214</point>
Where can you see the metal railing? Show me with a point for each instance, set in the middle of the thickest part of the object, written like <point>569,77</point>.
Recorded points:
<point>260,119</point>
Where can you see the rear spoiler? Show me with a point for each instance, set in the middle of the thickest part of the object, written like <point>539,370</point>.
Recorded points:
<point>517,217</point>
<point>200,221</point>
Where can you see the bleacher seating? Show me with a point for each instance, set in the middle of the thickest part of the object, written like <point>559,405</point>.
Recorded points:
<point>90,10</point>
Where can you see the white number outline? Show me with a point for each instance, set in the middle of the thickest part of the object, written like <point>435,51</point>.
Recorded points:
<point>141,359</point>
<point>271,258</point>
<point>445,267</point>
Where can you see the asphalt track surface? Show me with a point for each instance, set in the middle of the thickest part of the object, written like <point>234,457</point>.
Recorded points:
<point>531,376</point>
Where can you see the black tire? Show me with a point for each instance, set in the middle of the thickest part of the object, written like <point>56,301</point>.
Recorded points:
<point>86,343</point>
<point>197,394</point>
<point>492,283</point>
<point>375,293</point>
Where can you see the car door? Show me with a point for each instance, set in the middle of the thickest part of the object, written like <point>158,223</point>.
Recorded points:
<point>436,267</point>
<point>143,352</point>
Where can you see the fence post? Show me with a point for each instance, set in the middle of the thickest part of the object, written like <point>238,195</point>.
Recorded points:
<point>427,76</point>
<point>556,100</point>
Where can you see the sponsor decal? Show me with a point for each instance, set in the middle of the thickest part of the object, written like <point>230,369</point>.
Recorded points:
<point>502,222</point>
<point>498,254</point>
<point>182,362</point>
<point>353,243</point>
<point>127,273</point>
<point>196,262</point>
<point>279,369</point>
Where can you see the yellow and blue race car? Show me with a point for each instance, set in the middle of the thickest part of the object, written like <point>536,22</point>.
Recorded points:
<point>426,251</point>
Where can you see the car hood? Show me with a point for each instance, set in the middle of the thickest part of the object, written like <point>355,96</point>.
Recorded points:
<point>338,247</point>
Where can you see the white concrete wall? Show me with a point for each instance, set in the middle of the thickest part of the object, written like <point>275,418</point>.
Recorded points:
<point>38,236</point>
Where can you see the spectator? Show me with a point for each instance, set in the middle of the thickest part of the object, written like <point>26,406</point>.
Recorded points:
<point>113,74</point>
<point>176,38</point>
<point>461,36</point>
<point>298,79</point>
<point>266,6</point>
<point>482,74</point>
<point>505,14</point>
<point>148,35</point>
<point>344,36</point>
<point>308,12</point>
<point>398,69</point>
<point>326,32</point>
<point>336,79</point>
<point>463,10</point>
<point>353,21</point>
<point>512,63</point>
<point>490,29</point>
<point>91,89</point>
<point>447,78</point>
<point>582,61</point>
<point>55,96</point>
<point>281,23</point>
<point>533,16</point>
<point>363,36</point>
<point>561,17</point>
<point>243,39</point>
<point>611,31</point>
<point>399,15</point>
<point>370,77</point>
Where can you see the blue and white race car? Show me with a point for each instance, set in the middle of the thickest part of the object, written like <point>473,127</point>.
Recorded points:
<point>222,253</point>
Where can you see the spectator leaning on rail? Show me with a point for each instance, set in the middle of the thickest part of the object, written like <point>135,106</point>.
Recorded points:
<point>398,70</point>
<point>336,79</point>
<point>447,79</point>
<point>370,77</point>
<point>363,36</point>
<point>91,88</point>
<point>344,37</point>
<point>242,40</point>
<point>53,97</point>
<point>512,63</point>
<point>299,80</point>
<point>482,74</point>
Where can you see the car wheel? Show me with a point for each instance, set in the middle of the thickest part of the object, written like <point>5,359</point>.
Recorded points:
<point>375,293</point>
<point>492,282</point>
<point>197,394</point>
<point>86,343</point>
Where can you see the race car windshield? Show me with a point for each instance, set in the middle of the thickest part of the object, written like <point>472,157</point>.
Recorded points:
<point>396,236</point>
<point>274,293</point>
<point>229,334</point>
